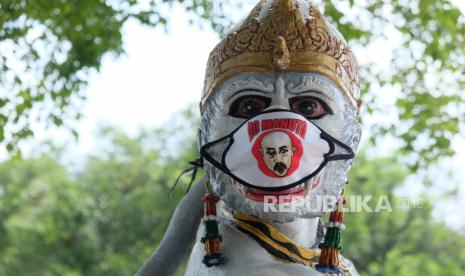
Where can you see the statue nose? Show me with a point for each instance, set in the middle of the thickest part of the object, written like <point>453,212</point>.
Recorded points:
<point>278,106</point>
<point>279,99</point>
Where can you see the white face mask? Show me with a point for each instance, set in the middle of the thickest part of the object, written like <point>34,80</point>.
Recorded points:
<point>275,150</point>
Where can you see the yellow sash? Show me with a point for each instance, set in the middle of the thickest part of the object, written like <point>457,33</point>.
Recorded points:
<point>276,243</point>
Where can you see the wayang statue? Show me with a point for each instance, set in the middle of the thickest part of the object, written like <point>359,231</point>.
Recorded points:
<point>278,133</point>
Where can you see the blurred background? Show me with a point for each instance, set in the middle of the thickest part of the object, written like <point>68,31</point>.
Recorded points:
<point>99,115</point>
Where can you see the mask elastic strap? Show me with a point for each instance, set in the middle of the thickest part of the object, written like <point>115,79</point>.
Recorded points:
<point>342,156</point>
<point>193,169</point>
<point>205,155</point>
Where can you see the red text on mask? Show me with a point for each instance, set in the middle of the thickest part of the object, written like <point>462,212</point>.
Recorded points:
<point>297,126</point>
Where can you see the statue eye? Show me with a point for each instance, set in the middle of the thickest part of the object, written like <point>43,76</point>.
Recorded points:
<point>248,106</point>
<point>310,107</point>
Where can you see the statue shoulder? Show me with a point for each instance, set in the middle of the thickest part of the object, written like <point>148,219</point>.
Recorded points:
<point>347,267</point>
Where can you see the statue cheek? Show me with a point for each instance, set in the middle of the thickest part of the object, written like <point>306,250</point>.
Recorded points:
<point>222,126</point>
<point>335,125</point>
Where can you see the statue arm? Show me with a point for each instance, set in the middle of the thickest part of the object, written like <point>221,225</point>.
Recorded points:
<point>179,236</point>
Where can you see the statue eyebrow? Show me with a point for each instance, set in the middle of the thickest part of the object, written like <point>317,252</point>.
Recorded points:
<point>316,86</point>
<point>311,92</point>
<point>249,84</point>
<point>248,90</point>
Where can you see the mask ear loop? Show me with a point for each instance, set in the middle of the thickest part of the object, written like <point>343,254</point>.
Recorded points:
<point>343,156</point>
<point>193,169</point>
<point>219,164</point>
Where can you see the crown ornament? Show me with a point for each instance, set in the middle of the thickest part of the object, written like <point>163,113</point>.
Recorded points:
<point>275,37</point>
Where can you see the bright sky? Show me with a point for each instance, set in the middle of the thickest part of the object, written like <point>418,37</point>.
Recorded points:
<point>161,74</point>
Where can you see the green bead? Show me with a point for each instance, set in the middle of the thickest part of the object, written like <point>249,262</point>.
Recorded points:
<point>211,229</point>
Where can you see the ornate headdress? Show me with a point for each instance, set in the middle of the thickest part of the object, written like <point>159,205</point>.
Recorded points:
<point>283,36</point>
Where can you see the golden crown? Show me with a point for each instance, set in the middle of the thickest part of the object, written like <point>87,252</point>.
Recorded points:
<point>275,38</point>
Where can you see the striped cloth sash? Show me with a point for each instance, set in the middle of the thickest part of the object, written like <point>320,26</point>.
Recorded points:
<point>275,242</point>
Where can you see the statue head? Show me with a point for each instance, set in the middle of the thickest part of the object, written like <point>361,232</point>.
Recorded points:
<point>284,55</point>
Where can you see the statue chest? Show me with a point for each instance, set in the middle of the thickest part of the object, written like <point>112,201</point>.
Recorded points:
<point>244,256</point>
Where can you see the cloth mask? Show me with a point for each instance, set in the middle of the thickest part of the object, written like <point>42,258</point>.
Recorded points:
<point>275,150</point>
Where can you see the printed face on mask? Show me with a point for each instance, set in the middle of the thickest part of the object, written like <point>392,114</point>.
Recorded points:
<point>277,151</point>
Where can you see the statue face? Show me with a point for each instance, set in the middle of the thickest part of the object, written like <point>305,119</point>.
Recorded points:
<point>277,150</point>
<point>310,94</point>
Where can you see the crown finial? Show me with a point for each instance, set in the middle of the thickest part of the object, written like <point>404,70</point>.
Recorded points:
<point>281,59</point>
